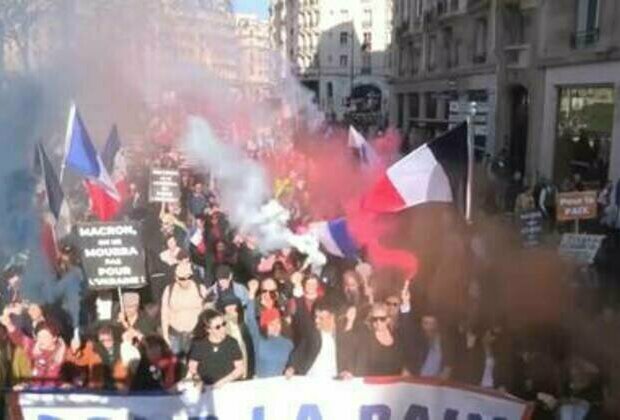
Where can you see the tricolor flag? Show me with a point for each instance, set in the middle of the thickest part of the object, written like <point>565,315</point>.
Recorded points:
<point>335,238</point>
<point>435,172</point>
<point>82,157</point>
<point>56,201</point>
<point>367,155</point>
<point>113,158</point>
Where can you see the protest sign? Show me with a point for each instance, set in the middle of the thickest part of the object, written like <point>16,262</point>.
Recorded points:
<point>164,186</point>
<point>531,227</point>
<point>576,206</point>
<point>300,398</point>
<point>112,254</point>
<point>581,249</point>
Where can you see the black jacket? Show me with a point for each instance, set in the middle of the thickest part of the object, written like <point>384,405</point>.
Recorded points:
<point>305,353</point>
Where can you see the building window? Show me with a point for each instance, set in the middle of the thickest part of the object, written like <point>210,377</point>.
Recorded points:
<point>344,61</point>
<point>419,6</point>
<point>454,5</point>
<point>400,110</point>
<point>367,45</point>
<point>330,90</point>
<point>366,63</point>
<point>416,56</point>
<point>344,38</point>
<point>414,105</point>
<point>367,19</point>
<point>584,126</point>
<point>448,47</point>
<point>330,59</point>
<point>431,58</point>
<point>480,41</point>
<point>587,26</point>
<point>431,105</point>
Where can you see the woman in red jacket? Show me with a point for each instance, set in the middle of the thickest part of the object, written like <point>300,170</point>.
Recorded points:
<point>46,352</point>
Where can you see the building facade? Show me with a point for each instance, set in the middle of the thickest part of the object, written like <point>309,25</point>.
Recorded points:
<point>340,51</point>
<point>544,75</point>
<point>256,71</point>
<point>444,55</point>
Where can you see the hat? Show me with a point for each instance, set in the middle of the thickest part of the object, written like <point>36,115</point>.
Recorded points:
<point>268,316</point>
<point>227,300</point>
<point>131,299</point>
<point>183,270</point>
<point>222,272</point>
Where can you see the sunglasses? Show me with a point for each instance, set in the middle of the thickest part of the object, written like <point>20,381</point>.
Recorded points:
<point>378,318</point>
<point>265,291</point>
<point>218,326</point>
<point>184,278</point>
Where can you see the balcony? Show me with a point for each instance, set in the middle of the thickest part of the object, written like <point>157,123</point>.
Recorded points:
<point>518,56</point>
<point>585,39</point>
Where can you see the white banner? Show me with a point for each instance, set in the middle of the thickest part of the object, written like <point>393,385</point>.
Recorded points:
<point>300,398</point>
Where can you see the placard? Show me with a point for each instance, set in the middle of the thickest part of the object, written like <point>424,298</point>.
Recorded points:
<point>576,206</point>
<point>531,228</point>
<point>581,249</point>
<point>164,186</point>
<point>112,254</point>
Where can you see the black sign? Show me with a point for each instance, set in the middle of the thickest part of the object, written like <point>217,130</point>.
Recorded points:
<point>531,228</point>
<point>112,254</point>
<point>164,186</point>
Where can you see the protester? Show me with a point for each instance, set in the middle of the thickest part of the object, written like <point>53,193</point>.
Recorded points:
<point>322,352</point>
<point>215,358</point>
<point>226,287</point>
<point>158,369</point>
<point>181,304</point>
<point>134,321</point>
<point>302,308</point>
<point>380,351</point>
<point>45,352</point>
<point>271,348</point>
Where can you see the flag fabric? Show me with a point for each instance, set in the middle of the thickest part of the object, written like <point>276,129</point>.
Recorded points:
<point>335,238</point>
<point>113,158</point>
<point>82,157</point>
<point>111,148</point>
<point>55,197</point>
<point>367,155</point>
<point>434,172</point>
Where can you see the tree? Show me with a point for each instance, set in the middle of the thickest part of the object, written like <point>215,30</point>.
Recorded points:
<point>17,20</point>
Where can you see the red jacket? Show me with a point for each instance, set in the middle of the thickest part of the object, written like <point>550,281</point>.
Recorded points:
<point>46,365</point>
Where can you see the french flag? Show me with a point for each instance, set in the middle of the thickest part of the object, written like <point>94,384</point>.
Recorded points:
<point>82,157</point>
<point>435,172</point>
<point>367,155</point>
<point>113,157</point>
<point>335,238</point>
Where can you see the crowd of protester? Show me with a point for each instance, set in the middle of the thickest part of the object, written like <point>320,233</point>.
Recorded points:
<point>217,311</point>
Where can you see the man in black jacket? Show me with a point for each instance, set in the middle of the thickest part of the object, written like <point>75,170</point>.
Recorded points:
<point>325,351</point>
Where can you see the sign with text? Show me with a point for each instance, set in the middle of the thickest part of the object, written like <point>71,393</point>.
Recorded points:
<point>300,398</point>
<point>576,206</point>
<point>164,186</point>
<point>581,249</point>
<point>112,254</point>
<point>531,227</point>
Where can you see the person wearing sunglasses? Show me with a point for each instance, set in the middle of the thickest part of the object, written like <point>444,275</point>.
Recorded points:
<point>381,352</point>
<point>215,358</point>
<point>181,304</point>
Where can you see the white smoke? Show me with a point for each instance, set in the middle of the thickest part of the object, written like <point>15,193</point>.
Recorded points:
<point>245,194</point>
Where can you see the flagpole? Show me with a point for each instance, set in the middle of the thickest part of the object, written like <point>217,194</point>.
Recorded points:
<point>72,111</point>
<point>470,161</point>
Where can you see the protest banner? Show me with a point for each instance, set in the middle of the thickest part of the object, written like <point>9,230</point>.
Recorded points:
<point>297,398</point>
<point>531,227</point>
<point>581,249</point>
<point>112,254</point>
<point>164,186</point>
<point>576,206</point>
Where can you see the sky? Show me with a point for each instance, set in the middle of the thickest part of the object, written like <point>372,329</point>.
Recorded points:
<point>257,7</point>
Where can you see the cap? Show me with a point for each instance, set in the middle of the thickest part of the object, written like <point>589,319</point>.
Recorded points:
<point>268,316</point>
<point>131,299</point>
<point>228,300</point>
<point>222,272</point>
